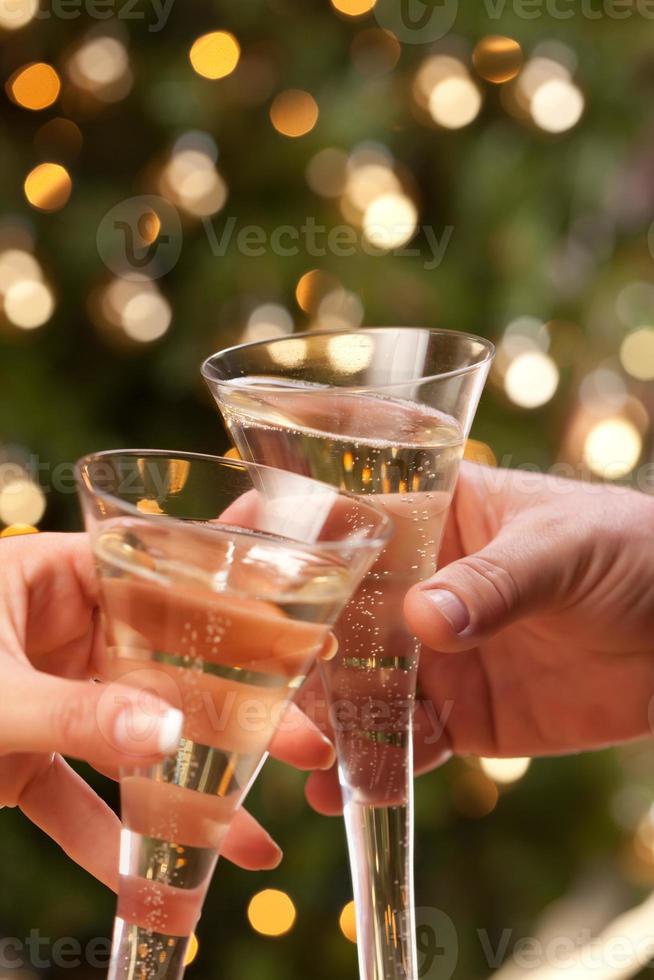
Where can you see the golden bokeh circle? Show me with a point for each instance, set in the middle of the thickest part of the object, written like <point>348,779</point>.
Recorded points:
<point>497,58</point>
<point>215,55</point>
<point>48,186</point>
<point>353,8</point>
<point>271,913</point>
<point>294,112</point>
<point>36,86</point>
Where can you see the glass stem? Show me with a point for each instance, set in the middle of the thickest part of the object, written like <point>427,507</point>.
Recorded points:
<point>380,844</point>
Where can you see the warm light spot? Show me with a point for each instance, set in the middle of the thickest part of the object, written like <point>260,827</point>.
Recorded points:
<point>191,180</point>
<point>232,454</point>
<point>370,181</point>
<point>312,288</point>
<point>191,950</point>
<point>557,105</point>
<point>455,102</point>
<point>21,502</point>
<point>148,226</point>
<point>288,353</point>
<point>390,221</point>
<point>29,304</point>
<point>341,309</point>
<point>294,112</point>
<point>474,794</point>
<point>531,379</point>
<point>325,172</point>
<point>347,922</point>
<point>505,770</point>
<point>16,529</point>
<point>353,8</point>
<point>215,55</point>
<point>637,354</point>
<point>271,912</point>
<point>479,452</point>
<point>15,14</point>
<point>101,66</point>
<point>146,317</point>
<point>48,186</point>
<point>497,59</point>
<point>267,321</point>
<point>375,51</point>
<point>16,266</point>
<point>35,86</point>
<point>434,70</point>
<point>612,448</point>
<point>350,353</point>
<point>149,506</point>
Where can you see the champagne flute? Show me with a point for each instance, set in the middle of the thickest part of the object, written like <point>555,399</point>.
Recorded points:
<point>381,411</point>
<point>219,581</point>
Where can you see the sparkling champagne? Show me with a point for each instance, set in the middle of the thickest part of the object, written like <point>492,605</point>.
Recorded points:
<point>229,648</point>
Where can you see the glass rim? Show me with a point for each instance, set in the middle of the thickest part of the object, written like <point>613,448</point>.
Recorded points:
<point>208,369</point>
<point>380,536</point>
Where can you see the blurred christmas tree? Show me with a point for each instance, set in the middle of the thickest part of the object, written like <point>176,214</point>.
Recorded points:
<point>181,177</point>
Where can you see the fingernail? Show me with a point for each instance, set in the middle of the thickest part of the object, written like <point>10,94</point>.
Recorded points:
<point>450,607</point>
<point>331,755</point>
<point>276,860</point>
<point>170,730</point>
<point>137,730</point>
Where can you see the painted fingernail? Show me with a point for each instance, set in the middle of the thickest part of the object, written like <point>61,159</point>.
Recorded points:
<point>137,730</point>
<point>451,608</point>
<point>330,755</point>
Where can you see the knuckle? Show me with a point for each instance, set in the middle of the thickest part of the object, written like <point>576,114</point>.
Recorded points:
<point>499,584</point>
<point>73,720</point>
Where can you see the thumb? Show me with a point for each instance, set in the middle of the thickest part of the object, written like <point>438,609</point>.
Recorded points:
<point>106,724</point>
<point>474,597</point>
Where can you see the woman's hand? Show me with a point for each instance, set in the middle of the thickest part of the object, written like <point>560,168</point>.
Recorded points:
<point>538,628</point>
<point>49,644</point>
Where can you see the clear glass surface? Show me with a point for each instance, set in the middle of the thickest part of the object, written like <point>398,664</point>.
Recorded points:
<point>219,582</point>
<point>385,412</point>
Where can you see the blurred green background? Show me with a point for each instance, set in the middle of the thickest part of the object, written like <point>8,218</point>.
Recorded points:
<point>529,158</point>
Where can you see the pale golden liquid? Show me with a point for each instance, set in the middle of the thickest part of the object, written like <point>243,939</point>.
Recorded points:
<point>407,455</point>
<point>225,630</point>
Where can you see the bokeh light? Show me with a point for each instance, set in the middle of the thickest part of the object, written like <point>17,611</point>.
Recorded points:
<point>612,448</point>
<point>455,102</point>
<point>353,8</point>
<point>531,379</point>
<point>347,922</point>
<point>28,303</point>
<point>637,354</point>
<point>375,51</point>
<point>14,530</point>
<point>474,794</point>
<point>505,771</point>
<point>267,321</point>
<point>191,181</point>
<point>16,266</point>
<point>271,913</point>
<point>390,221</point>
<point>100,67</point>
<point>193,947</point>
<point>497,59</point>
<point>34,86</point>
<point>326,172</point>
<point>135,308</point>
<point>21,501</point>
<point>557,105</point>
<point>349,353</point>
<point>340,309</point>
<point>313,287</point>
<point>294,112</point>
<point>15,14</point>
<point>48,186</point>
<point>289,353</point>
<point>215,55</point>
<point>433,70</point>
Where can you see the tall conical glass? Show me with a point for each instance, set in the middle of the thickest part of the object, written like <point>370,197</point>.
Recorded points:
<point>219,581</point>
<point>378,411</point>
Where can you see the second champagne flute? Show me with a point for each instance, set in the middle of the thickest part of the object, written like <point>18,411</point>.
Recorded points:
<point>218,584</point>
<point>381,411</point>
